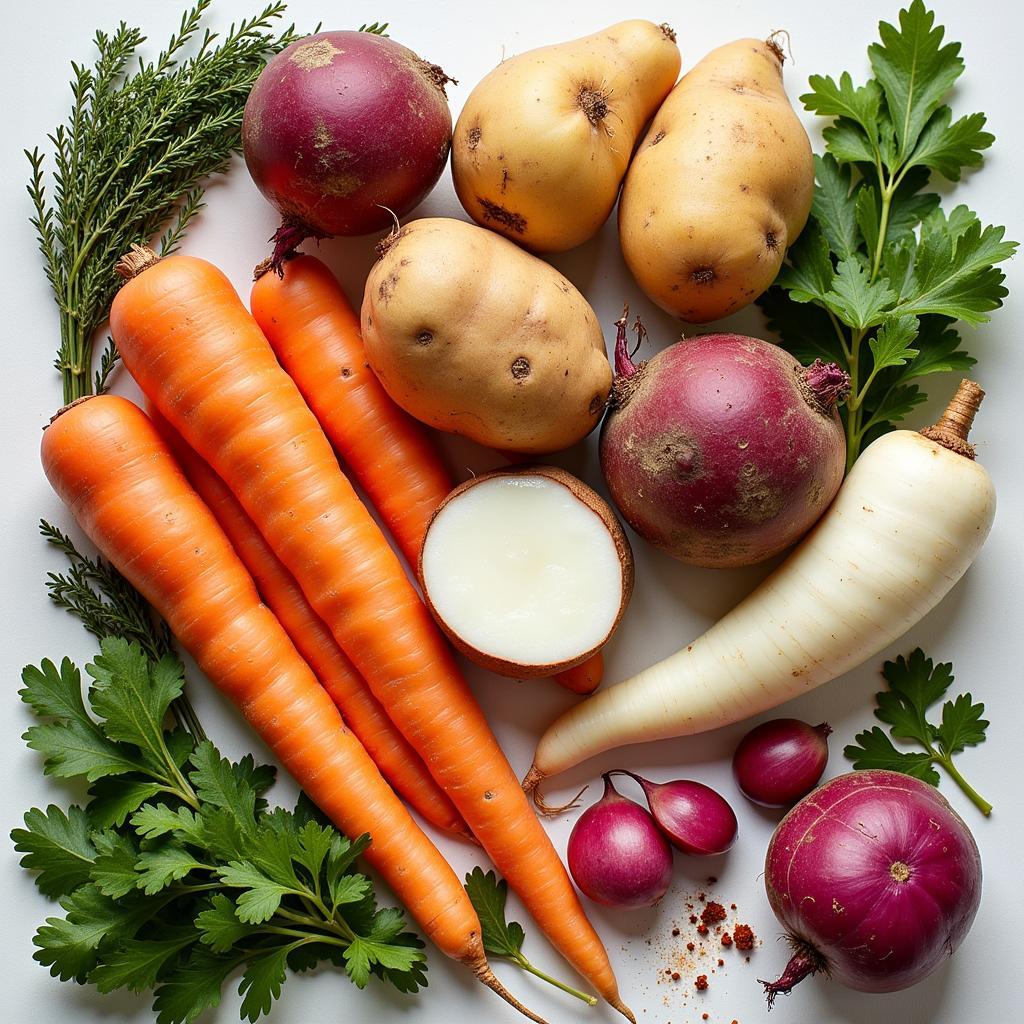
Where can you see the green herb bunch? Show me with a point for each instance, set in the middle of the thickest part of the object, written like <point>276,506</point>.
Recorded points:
<point>881,272</point>
<point>132,158</point>
<point>915,684</point>
<point>176,872</point>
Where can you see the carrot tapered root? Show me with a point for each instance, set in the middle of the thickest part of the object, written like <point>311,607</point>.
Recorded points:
<point>485,975</point>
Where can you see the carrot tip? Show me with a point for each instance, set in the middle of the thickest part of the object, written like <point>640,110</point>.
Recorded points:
<point>487,977</point>
<point>618,1004</point>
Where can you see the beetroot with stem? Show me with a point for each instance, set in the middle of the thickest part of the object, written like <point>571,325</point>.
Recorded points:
<point>876,880</point>
<point>343,131</point>
<point>721,450</point>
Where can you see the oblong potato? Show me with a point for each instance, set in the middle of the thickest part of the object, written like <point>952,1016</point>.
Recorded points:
<point>543,141</point>
<point>472,335</point>
<point>719,188</point>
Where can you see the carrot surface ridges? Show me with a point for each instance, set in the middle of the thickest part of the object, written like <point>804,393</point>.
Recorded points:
<point>195,350</point>
<point>398,762</point>
<point>107,462</point>
<point>315,334</point>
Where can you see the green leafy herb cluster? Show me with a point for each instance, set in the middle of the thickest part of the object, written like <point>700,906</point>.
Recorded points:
<point>132,157</point>
<point>915,684</point>
<point>176,873</point>
<point>881,273</point>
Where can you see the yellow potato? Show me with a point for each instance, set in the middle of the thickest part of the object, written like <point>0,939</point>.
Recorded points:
<point>720,187</point>
<point>543,141</point>
<point>472,335</point>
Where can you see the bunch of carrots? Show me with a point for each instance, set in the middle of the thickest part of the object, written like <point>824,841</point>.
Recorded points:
<point>229,494</point>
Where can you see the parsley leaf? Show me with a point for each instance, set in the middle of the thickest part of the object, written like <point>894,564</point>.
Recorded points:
<point>503,938</point>
<point>57,845</point>
<point>881,272</point>
<point>915,685</point>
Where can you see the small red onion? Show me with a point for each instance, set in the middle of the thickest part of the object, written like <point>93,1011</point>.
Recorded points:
<point>616,854</point>
<point>694,818</point>
<point>780,761</point>
<point>875,878</point>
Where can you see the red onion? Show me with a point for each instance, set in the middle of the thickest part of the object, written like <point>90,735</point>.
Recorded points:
<point>692,816</point>
<point>778,762</point>
<point>616,854</point>
<point>875,878</point>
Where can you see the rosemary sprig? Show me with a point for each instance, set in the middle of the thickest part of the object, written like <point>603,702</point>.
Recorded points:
<point>131,157</point>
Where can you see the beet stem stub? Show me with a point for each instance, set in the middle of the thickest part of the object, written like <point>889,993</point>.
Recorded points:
<point>803,963</point>
<point>828,383</point>
<point>287,238</point>
<point>624,365</point>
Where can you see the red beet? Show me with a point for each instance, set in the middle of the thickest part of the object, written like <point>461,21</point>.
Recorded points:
<point>875,878</point>
<point>722,450</point>
<point>341,125</point>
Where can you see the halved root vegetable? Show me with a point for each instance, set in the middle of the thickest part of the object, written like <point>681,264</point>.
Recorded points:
<point>527,571</point>
<point>905,526</point>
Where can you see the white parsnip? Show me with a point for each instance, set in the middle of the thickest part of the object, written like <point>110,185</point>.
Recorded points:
<point>906,525</point>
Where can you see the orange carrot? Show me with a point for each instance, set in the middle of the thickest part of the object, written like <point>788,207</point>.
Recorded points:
<point>391,752</point>
<point>194,349</point>
<point>585,678</point>
<point>106,460</point>
<point>315,334</point>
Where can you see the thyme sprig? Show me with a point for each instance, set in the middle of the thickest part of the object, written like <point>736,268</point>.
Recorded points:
<point>132,158</point>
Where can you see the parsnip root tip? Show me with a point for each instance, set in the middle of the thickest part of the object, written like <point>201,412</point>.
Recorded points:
<point>554,810</point>
<point>485,975</point>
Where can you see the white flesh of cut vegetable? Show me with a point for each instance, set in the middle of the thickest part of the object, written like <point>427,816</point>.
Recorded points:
<point>518,568</point>
<point>905,526</point>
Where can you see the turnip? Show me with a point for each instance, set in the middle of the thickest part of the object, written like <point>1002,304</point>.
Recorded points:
<point>906,525</point>
<point>527,570</point>
<point>875,878</point>
<point>343,131</point>
<point>721,450</point>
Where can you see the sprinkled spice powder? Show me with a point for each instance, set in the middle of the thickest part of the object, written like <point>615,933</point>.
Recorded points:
<point>743,936</point>
<point>713,913</point>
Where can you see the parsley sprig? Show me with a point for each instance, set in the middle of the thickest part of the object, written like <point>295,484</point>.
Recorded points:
<point>881,272</point>
<point>502,938</point>
<point>176,872</point>
<point>915,684</point>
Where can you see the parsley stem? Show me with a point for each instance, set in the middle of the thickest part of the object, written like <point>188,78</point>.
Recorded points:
<point>525,964</point>
<point>972,794</point>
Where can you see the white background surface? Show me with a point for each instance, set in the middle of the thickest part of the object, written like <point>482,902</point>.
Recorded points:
<point>978,626</point>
